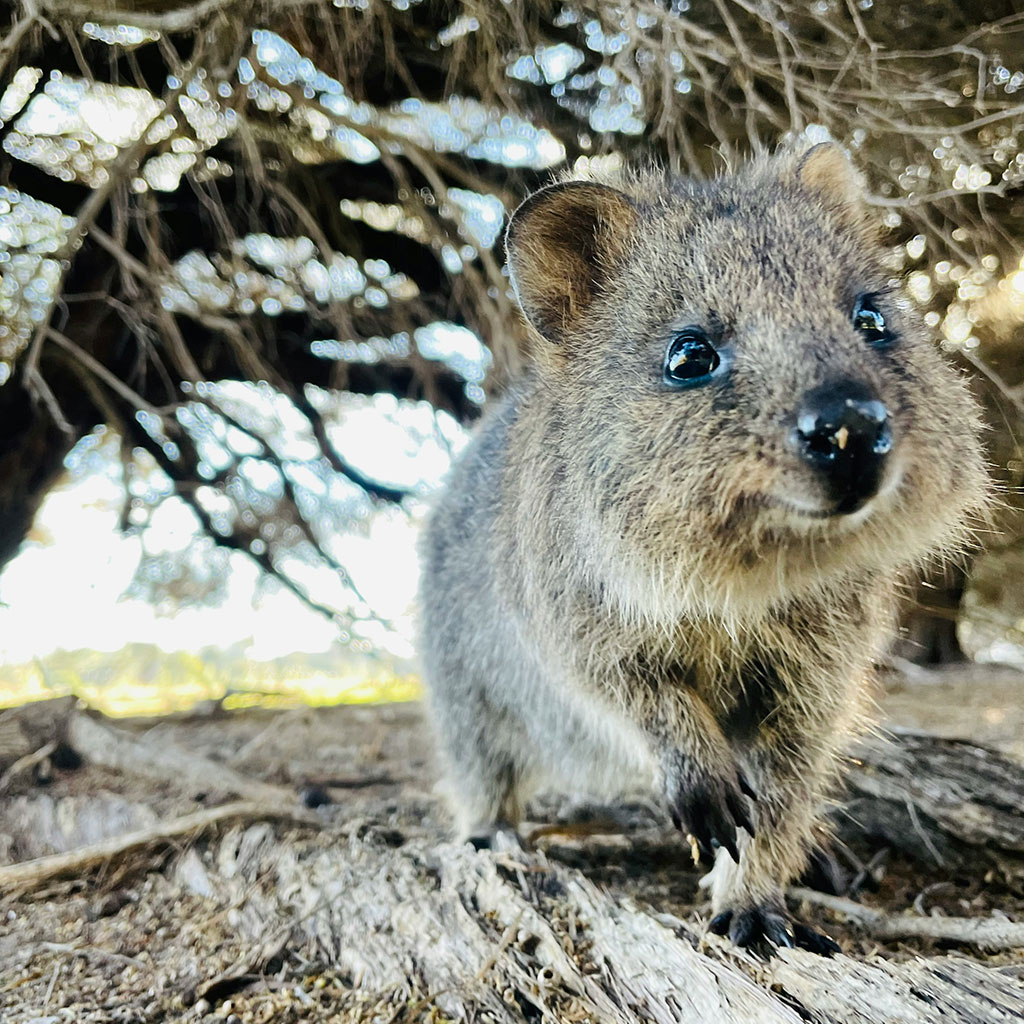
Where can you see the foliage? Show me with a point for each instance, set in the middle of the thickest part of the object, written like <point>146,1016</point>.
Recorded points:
<point>297,194</point>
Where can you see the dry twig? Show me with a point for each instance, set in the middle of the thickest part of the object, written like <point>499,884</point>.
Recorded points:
<point>986,933</point>
<point>30,873</point>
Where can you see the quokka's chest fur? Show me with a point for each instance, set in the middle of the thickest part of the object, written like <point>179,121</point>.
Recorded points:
<point>816,652</point>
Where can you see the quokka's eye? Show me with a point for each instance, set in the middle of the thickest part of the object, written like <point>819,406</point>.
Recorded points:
<point>869,320</point>
<point>690,359</point>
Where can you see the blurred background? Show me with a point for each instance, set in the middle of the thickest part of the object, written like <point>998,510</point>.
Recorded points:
<point>252,294</point>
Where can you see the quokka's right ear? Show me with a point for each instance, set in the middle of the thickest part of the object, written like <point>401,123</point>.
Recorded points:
<point>562,245</point>
<point>826,172</point>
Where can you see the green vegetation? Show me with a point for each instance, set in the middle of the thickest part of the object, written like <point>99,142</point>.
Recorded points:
<point>141,679</point>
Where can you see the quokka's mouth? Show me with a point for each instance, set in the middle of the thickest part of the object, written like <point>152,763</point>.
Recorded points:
<point>800,511</point>
<point>799,508</point>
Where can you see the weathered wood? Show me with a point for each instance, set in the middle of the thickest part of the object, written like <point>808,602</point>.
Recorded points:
<point>940,990</point>
<point>941,801</point>
<point>26,729</point>
<point>101,743</point>
<point>411,927</point>
<point>39,823</point>
<point>486,936</point>
<point>985,933</point>
<point>483,934</point>
<point>85,858</point>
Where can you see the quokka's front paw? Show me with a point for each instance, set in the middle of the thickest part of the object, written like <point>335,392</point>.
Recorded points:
<point>500,838</point>
<point>709,807</point>
<point>766,928</point>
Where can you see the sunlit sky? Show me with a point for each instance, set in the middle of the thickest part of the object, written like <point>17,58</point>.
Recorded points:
<point>68,594</point>
<point>66,588</point>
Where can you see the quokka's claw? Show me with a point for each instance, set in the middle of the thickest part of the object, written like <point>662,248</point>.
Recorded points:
<point>765,929</point>
<point>711,810</point>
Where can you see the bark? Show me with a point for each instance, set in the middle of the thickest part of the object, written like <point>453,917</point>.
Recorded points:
<point>944,802</point>
<point>32,452</point>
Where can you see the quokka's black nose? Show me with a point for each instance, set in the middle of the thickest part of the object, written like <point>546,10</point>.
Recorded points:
<point>842,429</point>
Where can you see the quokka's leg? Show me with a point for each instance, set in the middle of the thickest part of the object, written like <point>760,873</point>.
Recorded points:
<point>484,775</point>
<point>702,782</point>
<point>791,771</point>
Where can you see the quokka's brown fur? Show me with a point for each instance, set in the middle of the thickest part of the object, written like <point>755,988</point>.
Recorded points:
<point>626,580</point>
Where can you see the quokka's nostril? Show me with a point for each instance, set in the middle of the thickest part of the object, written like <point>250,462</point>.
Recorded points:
<point>819,444</point>
<point>842,429</point>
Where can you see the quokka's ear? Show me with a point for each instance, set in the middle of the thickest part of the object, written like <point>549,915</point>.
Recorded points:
<point>562,244</point>
<point>826,171</point>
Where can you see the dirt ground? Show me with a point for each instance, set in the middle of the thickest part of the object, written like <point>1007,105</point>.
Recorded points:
<point>167,933</point>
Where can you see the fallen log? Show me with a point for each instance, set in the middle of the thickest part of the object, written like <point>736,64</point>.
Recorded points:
<point>985,933</point>
<point>943,802</point>
<point>484,936</point>
<point>32,733</point>
<point>99,742</point>
<point>27,874</point>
